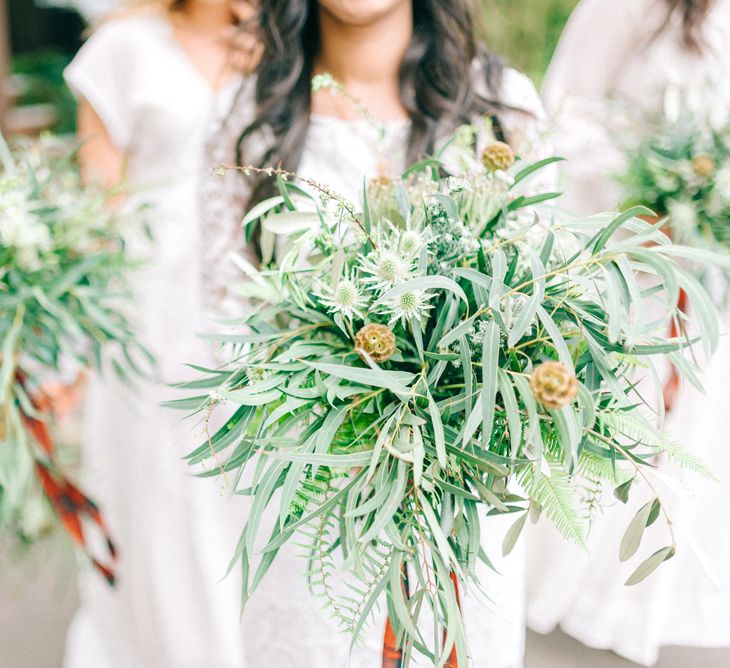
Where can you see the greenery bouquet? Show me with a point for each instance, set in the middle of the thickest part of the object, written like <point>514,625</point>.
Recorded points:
<point>62,255</point>
<point>447,350</point>
<point>682,169</point>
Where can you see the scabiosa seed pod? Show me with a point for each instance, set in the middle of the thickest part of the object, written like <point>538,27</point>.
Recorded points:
<point>378,341</point>
<point>553,384</point>
<point>498,156</point>
<point>703,165</point>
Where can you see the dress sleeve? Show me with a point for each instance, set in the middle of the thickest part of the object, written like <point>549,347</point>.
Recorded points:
<point>526,129</point>
<point>598,41</point>
<point>101,73</point>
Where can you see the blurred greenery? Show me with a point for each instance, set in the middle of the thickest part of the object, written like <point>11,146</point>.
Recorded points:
<point>525,32</point>
<point>42,74</point>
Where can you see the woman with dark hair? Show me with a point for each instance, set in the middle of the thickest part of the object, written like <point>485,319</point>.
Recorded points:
<point>418,70</point>
<point>617,61</point>
<point>146,81</point>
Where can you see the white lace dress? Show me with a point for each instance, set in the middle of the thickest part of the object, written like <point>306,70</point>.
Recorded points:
<point>175,533</point>
<point>606,67</point>
<point>283,624</point>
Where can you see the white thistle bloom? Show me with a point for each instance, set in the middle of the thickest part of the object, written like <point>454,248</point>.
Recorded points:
<point>346,299</point>
<point>411,243</point>
<point>409,305</point>
<point>722,183</point>
<point>385,269</point>
<point>683,215</point>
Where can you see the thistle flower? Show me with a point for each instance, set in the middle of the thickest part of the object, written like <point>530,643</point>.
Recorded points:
<point>722,183</point>
<point>378,341</point>
<point>683,215</point>
<point>411,242</point>
<point>385,269</point>
<point>346,299</point>
<point>553,384</point>
<point>703,166</point>
<point>409,305</point>
<point>498,156</point>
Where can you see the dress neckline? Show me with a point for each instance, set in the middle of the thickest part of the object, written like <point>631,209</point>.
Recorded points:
<point>324,119</point>
<point>185,59</point>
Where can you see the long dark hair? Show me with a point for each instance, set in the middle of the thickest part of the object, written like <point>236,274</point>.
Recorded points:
<point>692,14</point>
<point>435,79</point>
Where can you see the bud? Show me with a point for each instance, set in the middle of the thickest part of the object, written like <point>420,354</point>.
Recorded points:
<point>553,385</point>
<point>703,165</point>
<point>378,341</point>
<point>498,156</point>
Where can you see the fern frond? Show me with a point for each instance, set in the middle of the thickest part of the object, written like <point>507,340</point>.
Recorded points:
<point>557,497</point>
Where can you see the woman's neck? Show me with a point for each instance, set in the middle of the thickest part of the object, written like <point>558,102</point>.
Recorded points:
<point>366,60</point>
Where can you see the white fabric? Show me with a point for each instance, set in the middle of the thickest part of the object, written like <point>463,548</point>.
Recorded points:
<point>284,625</point>
<point>175,533</point>
<point>606,67</point>
<point>609,67</point>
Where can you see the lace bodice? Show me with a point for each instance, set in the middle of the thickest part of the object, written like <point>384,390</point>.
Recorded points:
<point>340,153</point>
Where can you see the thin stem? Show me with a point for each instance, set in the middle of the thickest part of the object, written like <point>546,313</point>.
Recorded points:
<point>645,477</point>
<point>277,171</point>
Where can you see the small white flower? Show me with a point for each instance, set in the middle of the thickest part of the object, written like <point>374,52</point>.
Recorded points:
<point>21,229</point>
<point>385,269</point>
<point>409,305</point>
<point>346,299</point>
<point>217,397</point>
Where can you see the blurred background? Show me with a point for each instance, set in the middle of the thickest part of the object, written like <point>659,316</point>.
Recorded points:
<point>37,40</point>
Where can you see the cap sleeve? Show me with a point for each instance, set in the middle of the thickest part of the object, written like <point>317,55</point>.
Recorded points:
<point>526,128</point>
<point>101,73</point>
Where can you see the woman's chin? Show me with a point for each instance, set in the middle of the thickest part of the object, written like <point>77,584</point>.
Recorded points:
<point>362,12</point>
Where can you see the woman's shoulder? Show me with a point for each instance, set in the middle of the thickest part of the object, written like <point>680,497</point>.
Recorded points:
<point>129,32</point>
<point>519,92</point>
<point>508,88</point>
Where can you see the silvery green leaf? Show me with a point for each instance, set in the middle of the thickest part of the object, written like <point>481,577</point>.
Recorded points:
<point>336,461</point>
<point>556,336</point>
<point>390,506</point>
<point>490,367</point>
<point>290,222</point>
<point>260,209</point>
<point>648,566</point>
<point>512,411</point>
<point>632,536</point>
<point>438,431</point>
<point>397,380</point>
<point>513,533</point>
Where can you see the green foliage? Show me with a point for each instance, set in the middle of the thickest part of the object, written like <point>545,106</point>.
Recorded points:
<point>526,33</point>
<point>468,286</point>
<point>62,302</point>
<point>681,168</point>
<point>43,83</point>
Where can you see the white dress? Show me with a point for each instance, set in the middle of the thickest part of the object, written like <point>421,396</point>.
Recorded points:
<point>284,625</point>
<point>175,533</point>
<point>607,63</point>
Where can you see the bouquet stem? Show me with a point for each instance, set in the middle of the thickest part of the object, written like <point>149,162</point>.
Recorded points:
<point>393,654</point>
